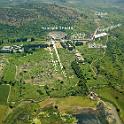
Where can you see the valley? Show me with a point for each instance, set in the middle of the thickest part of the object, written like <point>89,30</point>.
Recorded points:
<point>61,62</point>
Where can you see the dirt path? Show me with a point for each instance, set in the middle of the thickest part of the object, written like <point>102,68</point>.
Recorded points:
<point>53,61</point>
<point>16,72</point>
<point>58,57</point>
<point>9,93</point>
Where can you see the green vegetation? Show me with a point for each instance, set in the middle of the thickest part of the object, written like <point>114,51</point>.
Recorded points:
<point>43,14</point>
<point>36,74</point>
<point>4,92</point>
<point>9,72</point>
<point>51,110</point>
<point>81,101</point>
<point>3,113</point>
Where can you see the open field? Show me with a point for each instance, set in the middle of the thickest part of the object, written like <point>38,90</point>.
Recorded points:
<point>4,92</point>
<point>36,70</point>
<point>3,112</point>
<point>26,92</point>
<point>9,72</point>
<point>66,103</point>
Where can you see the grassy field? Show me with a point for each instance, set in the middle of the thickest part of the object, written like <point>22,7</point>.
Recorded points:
<point>9,72</point>
<point>67,104</point>
<point>81,101</point>
<point>36,68</point>
<point>4,91</point>
<point>3,112</point>
<point>28,91</point>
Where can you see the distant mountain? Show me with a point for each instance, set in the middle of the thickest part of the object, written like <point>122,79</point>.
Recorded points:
<point>62,2</point>
<point>51,13</point>
<point>29,18</point>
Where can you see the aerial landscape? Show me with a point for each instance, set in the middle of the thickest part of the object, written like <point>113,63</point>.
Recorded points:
<point>61,61</point>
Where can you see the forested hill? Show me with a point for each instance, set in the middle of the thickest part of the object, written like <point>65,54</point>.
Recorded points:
<point>88,2</point>
<point>31,17</point>
<point>20,14</point>
<point>27,17</point>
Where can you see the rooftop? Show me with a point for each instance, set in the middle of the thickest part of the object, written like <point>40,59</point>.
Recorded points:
<point>57,35</point>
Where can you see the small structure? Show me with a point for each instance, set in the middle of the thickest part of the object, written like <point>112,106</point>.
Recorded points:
<point>93,96</point>
<point>67,44</point>
<point>17,48</point>
<point>79,42</point>
<point>30,47</point>
<point>101,14</point>
<point>98,46</point>
<point>70,47</point>
<point>57,35</point>
<point>100,35</point>
<point>29,40</point>
<point>79,57</point>
<point>12,49</point>
<point>6,49</point>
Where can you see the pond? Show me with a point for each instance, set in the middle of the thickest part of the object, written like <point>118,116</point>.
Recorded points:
<point>89,117</point>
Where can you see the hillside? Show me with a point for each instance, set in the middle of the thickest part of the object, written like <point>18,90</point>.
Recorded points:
<point>20,14</point>
<point>61,62</point>
<point>28,19</point>
<point>62,2</point>
<point>31,18</point>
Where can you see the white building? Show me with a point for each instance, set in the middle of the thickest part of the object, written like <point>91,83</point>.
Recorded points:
<point>79,57</point>
<point>14,48</point>
<point>94,45</point>
<point>6,49</point>
<point>100,35</point>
